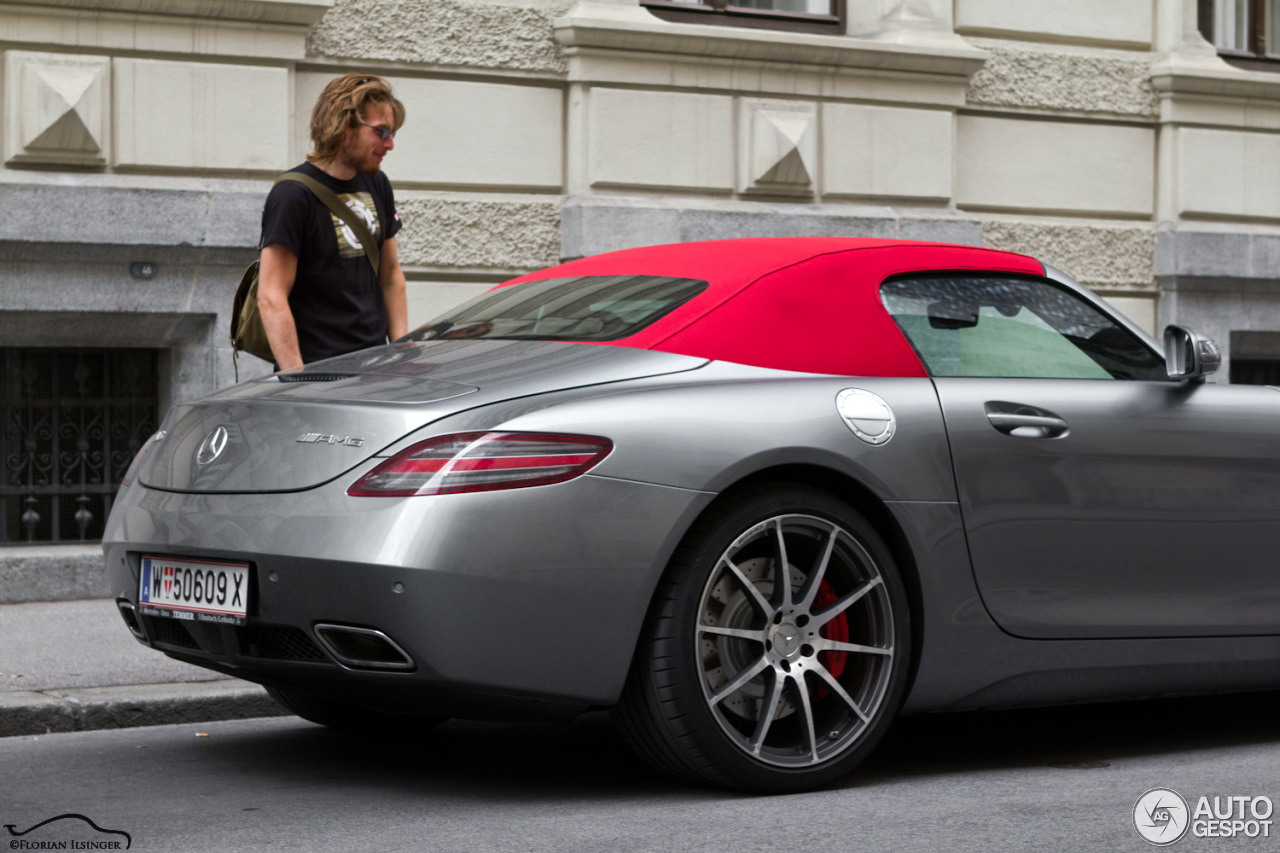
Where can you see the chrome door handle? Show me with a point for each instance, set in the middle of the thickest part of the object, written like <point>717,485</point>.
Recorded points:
<point>1025,421</point>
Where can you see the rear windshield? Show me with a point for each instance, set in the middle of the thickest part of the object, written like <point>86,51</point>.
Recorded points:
<point>584,308</point>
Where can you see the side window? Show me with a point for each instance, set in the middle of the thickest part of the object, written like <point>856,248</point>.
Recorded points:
<point>1015,328</point>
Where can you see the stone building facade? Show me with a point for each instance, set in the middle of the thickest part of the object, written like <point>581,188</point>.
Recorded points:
<point>1107,137</point>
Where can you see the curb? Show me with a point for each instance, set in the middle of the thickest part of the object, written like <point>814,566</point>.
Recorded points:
<point>92,708</point>
<point>42,573</point>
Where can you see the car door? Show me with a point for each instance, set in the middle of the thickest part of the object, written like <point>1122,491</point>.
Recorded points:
<point>1099,498</point>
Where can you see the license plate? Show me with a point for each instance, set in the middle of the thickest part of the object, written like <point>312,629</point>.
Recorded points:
<point>204,590</point>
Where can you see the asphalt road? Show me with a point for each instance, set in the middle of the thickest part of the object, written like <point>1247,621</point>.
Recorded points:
<point>1059,779</point>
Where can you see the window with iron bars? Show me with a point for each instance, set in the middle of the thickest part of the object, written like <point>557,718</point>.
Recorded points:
<point>71,421</point>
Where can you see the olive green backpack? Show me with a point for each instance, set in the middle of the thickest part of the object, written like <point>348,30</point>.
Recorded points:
<point>247,332</point>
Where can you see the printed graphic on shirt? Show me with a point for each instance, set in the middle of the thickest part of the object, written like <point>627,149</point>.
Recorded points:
<point>348,243</point>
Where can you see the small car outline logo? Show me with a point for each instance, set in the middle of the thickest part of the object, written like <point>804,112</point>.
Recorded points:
<point>1161,816</point>
<point>212,446</point>
<point>15,833</point>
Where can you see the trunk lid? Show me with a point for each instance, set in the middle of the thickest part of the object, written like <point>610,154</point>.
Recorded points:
<point>295,432</point>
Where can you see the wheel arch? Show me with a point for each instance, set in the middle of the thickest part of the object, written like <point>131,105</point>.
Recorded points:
<point>863,500</point>
<point>663,712</point>
<point>859,497</point>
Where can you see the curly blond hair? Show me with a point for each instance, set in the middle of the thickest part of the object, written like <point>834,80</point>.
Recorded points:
<point>342,105</point>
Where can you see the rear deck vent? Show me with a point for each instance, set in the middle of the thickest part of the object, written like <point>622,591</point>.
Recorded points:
<point>279,642</point>
<point>313,377</point>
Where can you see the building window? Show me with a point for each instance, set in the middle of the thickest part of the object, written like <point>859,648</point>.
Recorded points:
<point>825,16</point>
<point>1246,32</point>
<point>1255,358</point>
<point>1255,371</point>
<point>71,421</point>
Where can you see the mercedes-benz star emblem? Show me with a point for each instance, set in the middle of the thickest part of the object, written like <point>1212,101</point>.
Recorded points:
<point>212,446</point>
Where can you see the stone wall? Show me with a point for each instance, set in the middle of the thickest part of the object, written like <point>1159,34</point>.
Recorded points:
<point>512,235</point>
<point>1064,79</point>
<point>542,129</point>
<point>475,34</point>
<point>1102,255</point>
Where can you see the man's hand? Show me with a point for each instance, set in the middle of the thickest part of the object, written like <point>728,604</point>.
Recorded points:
<point>277,269</point>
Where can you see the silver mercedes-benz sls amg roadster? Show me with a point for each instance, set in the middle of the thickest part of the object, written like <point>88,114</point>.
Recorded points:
<point>757,496</point>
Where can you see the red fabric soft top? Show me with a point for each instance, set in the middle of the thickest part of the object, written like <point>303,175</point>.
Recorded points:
<point>807,304</point>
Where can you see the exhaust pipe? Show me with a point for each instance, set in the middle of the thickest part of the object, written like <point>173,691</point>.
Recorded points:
<point>130,615</point>
<point>363,648</point>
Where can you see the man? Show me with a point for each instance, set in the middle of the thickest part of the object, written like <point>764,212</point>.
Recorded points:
<point>317,292</point>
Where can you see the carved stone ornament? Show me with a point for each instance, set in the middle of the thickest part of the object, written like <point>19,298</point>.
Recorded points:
<point>57,108</point>
<point>780,147</point>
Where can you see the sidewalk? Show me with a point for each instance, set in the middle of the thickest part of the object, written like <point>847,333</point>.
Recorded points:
<point>74,666</point>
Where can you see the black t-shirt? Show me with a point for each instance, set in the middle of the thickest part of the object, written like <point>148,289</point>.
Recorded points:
<point>336,301</point>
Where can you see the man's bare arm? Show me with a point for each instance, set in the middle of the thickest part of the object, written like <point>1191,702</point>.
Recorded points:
<point>277,270</point>
<point>391,279</point>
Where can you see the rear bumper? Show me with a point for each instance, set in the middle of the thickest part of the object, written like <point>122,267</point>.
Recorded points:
<point>529,597</point>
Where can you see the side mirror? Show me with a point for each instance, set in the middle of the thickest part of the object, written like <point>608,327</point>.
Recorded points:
<point>1189,356</point>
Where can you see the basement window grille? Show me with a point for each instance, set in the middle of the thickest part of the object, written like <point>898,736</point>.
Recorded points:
<point>71,421</point>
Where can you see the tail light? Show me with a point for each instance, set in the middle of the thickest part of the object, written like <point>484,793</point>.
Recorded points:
<point>482,461</point>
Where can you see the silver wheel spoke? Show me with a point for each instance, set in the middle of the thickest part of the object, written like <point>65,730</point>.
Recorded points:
<point>739,633</point>
<point>742,678</point>
<point>834,686</point>
<point>770,708</point>
<point>766,609</point>
<point>807,710</point>
<point>819,571</point>
<point>822,644</point>
<point>781,568</point>
<point>844,603</point>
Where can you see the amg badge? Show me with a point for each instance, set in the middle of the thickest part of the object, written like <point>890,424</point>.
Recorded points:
<point>321,438</point>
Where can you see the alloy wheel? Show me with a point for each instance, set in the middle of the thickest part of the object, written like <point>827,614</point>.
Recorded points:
<point>794,671</point>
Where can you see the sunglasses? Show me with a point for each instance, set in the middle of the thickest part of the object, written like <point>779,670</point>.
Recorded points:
<point>382,130</point>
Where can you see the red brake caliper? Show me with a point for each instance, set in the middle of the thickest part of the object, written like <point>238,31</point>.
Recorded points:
<point>837,630</point>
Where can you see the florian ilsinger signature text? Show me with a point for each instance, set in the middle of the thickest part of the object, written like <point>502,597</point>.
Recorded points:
<point>23,844</point>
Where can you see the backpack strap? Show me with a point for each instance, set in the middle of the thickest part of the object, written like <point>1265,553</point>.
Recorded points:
<point>341,211</point>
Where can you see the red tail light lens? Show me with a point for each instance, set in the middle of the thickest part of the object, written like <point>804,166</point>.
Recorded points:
<point>482,461</point>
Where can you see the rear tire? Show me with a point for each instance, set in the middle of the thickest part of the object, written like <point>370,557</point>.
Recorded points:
<point>353,719</point>
<point>741,682</point>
